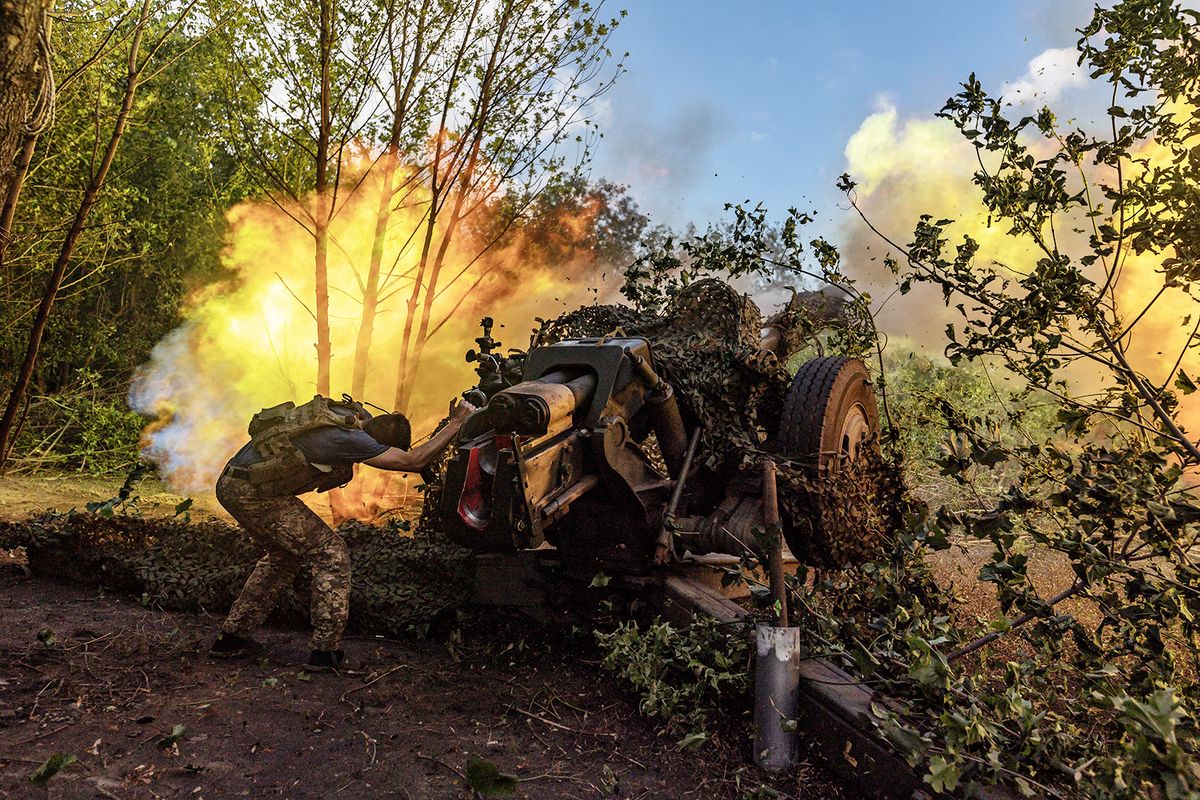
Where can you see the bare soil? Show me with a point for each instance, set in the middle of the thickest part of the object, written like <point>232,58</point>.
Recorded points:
<point>104,679</point>
<point>957,571</point>
<point>531,700</point>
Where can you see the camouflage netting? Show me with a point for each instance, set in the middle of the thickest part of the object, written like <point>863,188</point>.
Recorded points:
<point>843,516</point>
<point>401,583</point>
<point>707,344</point>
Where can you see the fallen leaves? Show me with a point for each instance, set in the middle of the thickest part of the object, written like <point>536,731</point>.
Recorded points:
<point>485,777</point>
<point>51,767</point>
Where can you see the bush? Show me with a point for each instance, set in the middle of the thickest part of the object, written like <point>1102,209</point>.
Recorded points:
<point>925,391</point>
<point>681,675</point>
<point>84,428</point>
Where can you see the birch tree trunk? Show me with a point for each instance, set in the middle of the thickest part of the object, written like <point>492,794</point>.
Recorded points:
<point>323,210</point>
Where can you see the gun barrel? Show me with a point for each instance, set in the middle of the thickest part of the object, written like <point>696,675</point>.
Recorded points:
<point>581,386</point>
<point>534,407</point>
<point>772,339</point>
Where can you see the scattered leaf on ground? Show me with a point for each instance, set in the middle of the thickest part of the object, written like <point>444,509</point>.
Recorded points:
<point>486,778</point>
<point>176,734</point>
<point>53,765</point>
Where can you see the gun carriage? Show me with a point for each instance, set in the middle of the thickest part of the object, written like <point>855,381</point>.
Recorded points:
<point>582,445</point>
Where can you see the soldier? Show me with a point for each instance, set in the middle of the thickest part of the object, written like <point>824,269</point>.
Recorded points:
<point>293,450</point>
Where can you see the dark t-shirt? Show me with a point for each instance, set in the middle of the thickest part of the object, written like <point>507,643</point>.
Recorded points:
<point>328,445</point>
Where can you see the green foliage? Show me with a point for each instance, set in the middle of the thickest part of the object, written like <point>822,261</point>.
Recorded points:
<point>751,246</point>
<point>155,232</point>
<point>731,251</point>
<point>125,499</point>
<point>681,675</point>
<point>1095,697</point>
<point>84,428</point>
<point>174,737</point>
<point>927,396</point>
<point>158,226</point>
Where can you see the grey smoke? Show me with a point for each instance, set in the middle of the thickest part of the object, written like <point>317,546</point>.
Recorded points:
<point>665,155</point>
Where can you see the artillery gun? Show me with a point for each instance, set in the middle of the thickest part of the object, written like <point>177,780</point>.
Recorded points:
<point>588,452</point>
<point>584,457</point>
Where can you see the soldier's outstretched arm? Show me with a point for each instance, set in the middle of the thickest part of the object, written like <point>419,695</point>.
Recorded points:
<point>423,455</point>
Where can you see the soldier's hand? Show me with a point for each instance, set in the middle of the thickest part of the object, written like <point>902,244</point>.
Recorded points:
<point>460,409</point>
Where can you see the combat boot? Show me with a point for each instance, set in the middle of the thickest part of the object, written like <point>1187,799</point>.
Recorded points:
<point>230,645</point>
<point>330,661</point>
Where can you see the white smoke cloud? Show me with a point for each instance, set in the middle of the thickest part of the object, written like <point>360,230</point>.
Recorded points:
<point>1048,76</point>
<point>905,166</point>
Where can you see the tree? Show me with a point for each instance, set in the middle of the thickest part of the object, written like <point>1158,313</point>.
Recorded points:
<point>313,65</point>
<point>26,97</point>
<point>139,66</point>
<point>592,224</point>
<point>154,234</point>
<point>416,42</point>
<point>1101,320</point>
<point>521,77</point>
<point>438,109</point>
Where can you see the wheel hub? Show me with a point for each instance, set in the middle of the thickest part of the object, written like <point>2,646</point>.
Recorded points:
<point>855,429</point>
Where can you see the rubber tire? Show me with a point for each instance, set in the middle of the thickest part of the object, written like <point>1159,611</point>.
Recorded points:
<point>822,393</point>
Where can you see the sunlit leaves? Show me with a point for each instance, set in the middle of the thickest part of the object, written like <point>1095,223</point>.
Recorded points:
<point>1107,494</point>
<point>680,674</point>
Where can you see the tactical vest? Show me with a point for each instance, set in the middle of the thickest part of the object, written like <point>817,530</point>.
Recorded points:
<point>284,469</point>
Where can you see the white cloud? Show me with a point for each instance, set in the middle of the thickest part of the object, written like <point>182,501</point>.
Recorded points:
<point>1048,75</point>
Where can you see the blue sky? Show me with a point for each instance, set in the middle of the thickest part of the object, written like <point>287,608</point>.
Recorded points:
<point>728,101</point>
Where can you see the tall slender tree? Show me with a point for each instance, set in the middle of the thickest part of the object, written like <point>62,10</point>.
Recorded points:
<point>415,35</point>
<point>26,97</point>
<point>314,64</point>
<point>140,65</point>
<point>522,76</point>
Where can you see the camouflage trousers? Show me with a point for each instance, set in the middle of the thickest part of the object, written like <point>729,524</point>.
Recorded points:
<point>294,537</point>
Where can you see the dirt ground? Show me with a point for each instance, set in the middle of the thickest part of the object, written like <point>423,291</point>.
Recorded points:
<point>107,681</point>
<point>104,679</point>
<point>957,571</point>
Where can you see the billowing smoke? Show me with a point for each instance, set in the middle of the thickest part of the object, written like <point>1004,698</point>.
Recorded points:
<point>908,167</point>
<point>905,168</point>
<point>247,341</point>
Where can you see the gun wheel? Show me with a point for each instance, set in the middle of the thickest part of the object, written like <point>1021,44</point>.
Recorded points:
<point>829,412</point>
<point>829,420</point>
